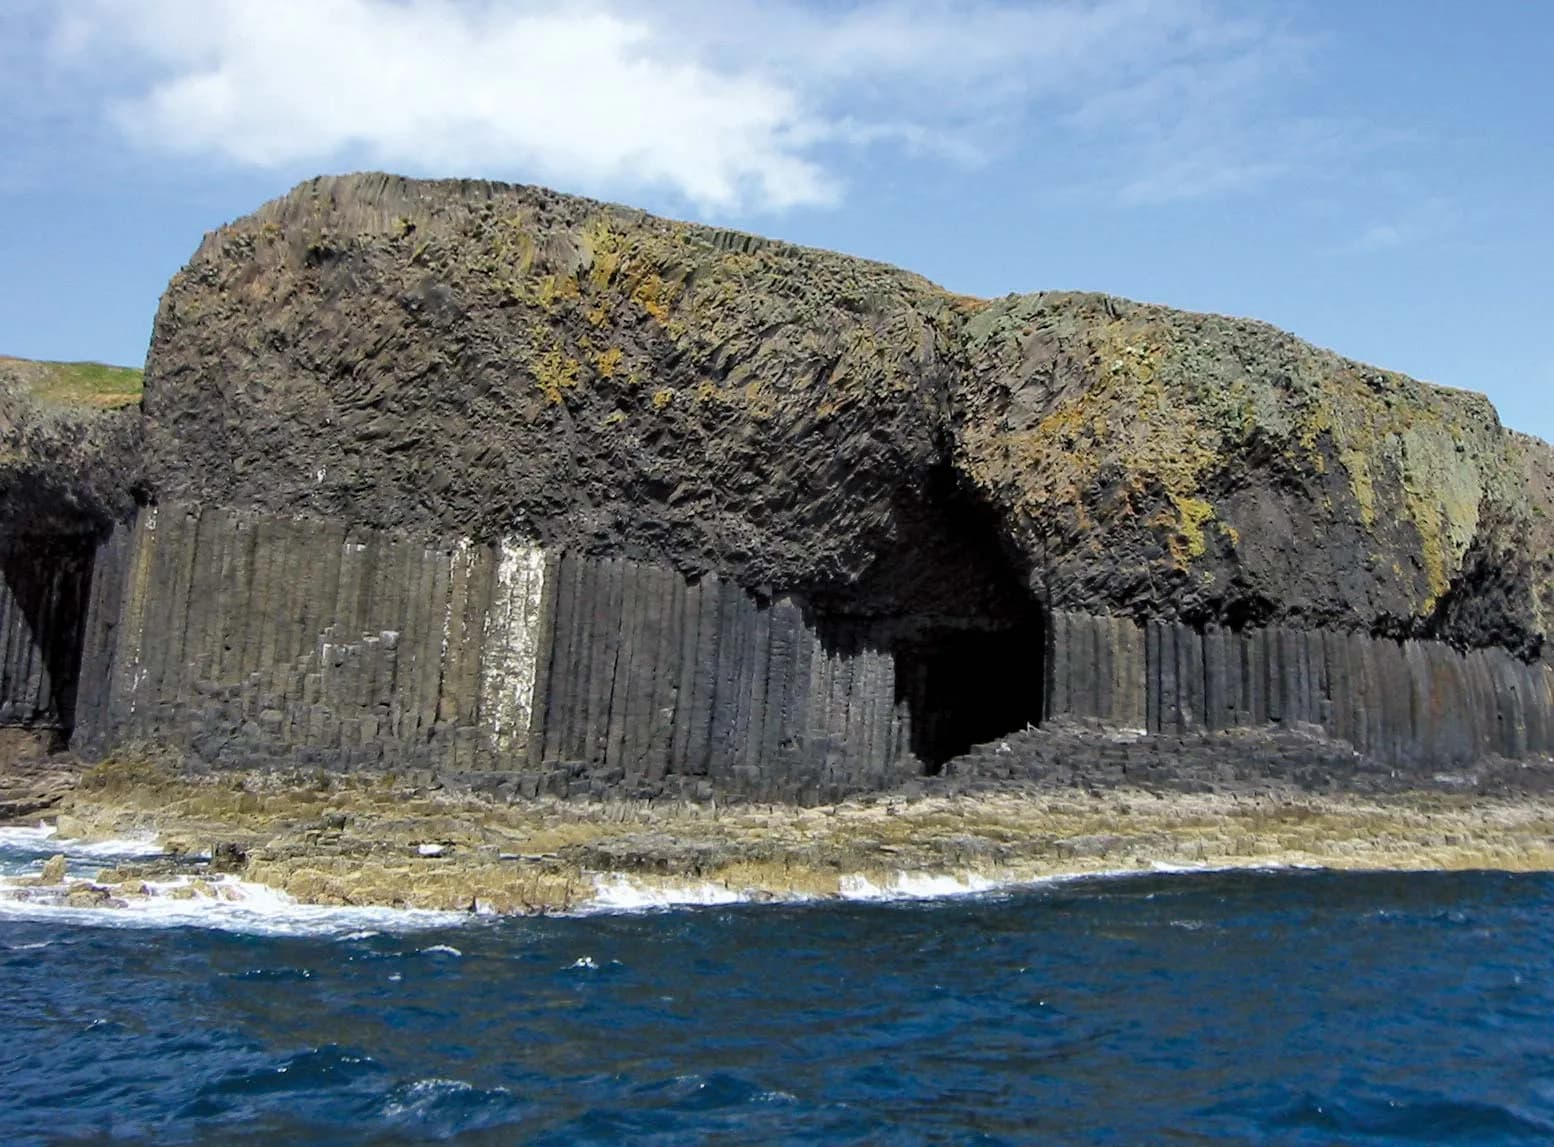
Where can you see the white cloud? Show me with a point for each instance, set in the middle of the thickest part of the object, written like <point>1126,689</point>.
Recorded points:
<point>734,105</point>
<point>1414,222</point>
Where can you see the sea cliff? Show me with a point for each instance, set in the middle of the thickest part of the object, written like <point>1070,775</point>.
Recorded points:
<point>489,487</point>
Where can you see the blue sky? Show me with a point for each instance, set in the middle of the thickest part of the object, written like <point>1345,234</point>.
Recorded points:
<point>1373,175</point>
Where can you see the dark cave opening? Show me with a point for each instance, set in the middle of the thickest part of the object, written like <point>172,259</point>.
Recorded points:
<point>967,631</point>
<point>966,687</point>
<point>45,583</point>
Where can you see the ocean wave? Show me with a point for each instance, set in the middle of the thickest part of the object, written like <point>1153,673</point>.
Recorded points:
<point>222,903</point>
<point>446,1107</point>
<point>620,892</point>
<point>920,886</point>
<point>227,903</point>
<point>45,839</point>
<point>617,892</point>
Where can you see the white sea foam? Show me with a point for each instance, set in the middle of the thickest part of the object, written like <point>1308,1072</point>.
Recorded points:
<point>46,838</point>
<point>441,950</point>
<point>229,904</point>
<point>223,903</point>
<point>916,886</point>
<point>421,1098</point>
<point>616,892</point>
<point>22,836</point>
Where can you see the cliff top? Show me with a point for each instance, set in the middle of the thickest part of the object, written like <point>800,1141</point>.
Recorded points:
<point>363,204</point>
<point>69,445</point>
<point>473,358</point>
<point>91,385</point>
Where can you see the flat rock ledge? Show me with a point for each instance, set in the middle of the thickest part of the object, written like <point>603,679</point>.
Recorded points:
<point>414,842</point>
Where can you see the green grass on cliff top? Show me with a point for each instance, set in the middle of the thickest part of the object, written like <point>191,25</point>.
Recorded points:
<point>75,383</point>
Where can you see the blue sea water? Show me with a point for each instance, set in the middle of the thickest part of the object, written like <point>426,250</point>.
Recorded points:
<point>1292,1007</point>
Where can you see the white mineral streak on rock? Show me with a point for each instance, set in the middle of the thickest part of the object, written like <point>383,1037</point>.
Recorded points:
<point>460,552</point>
<point>510,657</point>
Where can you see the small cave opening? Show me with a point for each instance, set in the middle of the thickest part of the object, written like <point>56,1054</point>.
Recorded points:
<point>45,585</point>
<point>965,687</point>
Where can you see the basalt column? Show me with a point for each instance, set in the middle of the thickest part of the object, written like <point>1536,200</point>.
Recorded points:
<point>248,637</point>
<point>656,684</point>
<point>1415,704</point>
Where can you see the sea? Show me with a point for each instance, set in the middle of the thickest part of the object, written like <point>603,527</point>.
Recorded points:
<point>1182,1007</point>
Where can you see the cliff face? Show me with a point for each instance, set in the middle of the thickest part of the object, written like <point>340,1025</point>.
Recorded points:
<point>1207,469</point>
<point>478,359</point>
<point>70,448</point>
<point>69,470</point>
<point>578,500</point>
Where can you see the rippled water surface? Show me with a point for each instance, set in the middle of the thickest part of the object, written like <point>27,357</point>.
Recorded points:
<point>1296,1007</point>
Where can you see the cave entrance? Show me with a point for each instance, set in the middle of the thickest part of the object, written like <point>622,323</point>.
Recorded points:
<point>968,686</point>
<point>954,604</point>
<point>45,583</point>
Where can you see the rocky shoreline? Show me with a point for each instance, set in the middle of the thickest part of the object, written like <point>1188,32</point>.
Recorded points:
<point>414,842</point>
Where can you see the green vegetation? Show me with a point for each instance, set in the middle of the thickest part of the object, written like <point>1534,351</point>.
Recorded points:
<point>90,384</point>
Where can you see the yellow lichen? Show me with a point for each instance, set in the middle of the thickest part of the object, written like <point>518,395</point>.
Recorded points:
<point>652,297</point>
<point>554,374</point>
<point>555,288</point>
<point>603,247</point>
<point>1192,515</point>
<point>608,361</point>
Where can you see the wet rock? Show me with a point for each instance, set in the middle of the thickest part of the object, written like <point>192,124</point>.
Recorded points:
<point>90,896</point>
<point>32,782</point>
<point>53,871</point>
<point>228,856</point>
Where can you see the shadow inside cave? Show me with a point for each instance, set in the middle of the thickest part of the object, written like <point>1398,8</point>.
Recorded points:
<point>966,687</point>
<point>45,583</point>
<point>967,633</point>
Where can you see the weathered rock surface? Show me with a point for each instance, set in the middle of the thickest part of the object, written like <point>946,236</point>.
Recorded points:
<point>1198,468</point>
<point>33,778</point>
<point>65,466</point>
<point>475,359</point>
<point>480,359</point>
<point>360,839</point>
<point>571,500</point>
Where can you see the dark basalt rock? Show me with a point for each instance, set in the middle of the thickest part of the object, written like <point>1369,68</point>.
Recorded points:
<point>1192,467</point>
<point>463,357</point>
<point>65,470</point>
<point>485,479</point>
<point>476,359</point>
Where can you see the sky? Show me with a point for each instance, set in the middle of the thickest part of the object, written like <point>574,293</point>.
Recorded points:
<point>1374,175</point>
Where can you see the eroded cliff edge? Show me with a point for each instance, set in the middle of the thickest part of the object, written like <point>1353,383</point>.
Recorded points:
<point>473,358</point>
<point>487,477</point>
